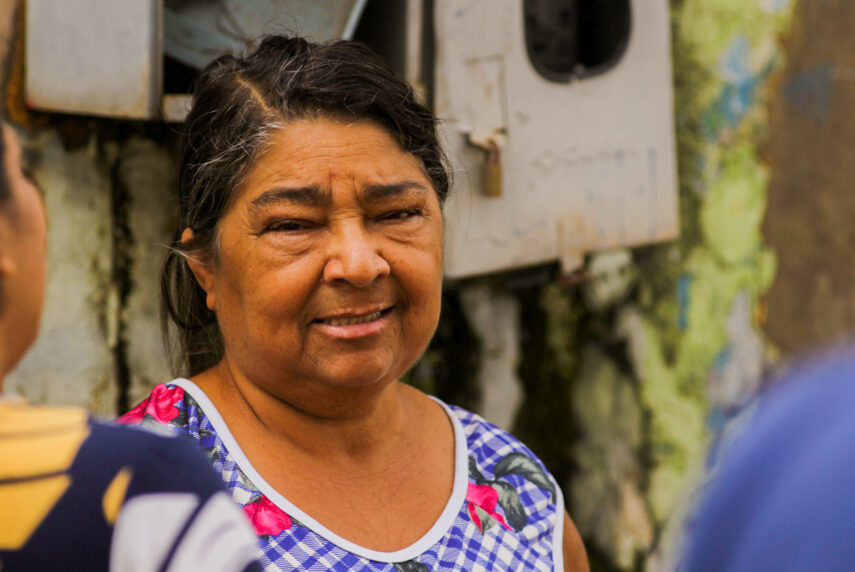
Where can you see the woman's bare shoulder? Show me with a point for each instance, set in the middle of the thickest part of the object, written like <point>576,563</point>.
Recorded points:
<point>575,558</point>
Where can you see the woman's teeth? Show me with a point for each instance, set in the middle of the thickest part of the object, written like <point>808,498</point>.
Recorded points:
<point>351,321</point>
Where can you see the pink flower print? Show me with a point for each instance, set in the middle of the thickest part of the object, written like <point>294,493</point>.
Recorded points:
<point>267,518</point>
<point>484,497</point>
<point>160,405</point>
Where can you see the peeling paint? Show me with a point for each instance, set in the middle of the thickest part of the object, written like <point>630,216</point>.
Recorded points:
<point>734,206</point>
<point>607,497</point>
<point>494,316</point>
<point>715,358</point>
<point>676,436</point>
<point>674,339</point>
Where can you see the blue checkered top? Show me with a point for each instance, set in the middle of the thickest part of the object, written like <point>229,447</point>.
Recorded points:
<point>505,511</point>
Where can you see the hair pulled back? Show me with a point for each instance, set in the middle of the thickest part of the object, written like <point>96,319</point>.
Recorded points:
<point>238,103</point>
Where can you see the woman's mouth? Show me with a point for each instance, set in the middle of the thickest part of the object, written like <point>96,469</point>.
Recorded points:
<point>354,326</point>
<point>350,321</point>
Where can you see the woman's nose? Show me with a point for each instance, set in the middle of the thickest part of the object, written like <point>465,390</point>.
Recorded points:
<point>354,258</point>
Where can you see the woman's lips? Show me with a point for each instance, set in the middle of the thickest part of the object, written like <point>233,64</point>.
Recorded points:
<point>354,326</point>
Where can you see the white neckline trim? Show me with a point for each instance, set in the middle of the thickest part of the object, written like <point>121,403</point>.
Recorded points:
<point>558,531</point>
<point>436,532</point>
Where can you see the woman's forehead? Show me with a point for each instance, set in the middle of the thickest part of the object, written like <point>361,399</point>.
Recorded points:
<point>322,152</point>
<point>318,137</point>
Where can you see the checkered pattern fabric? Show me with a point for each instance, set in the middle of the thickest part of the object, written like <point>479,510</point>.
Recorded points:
<point>506,522</point>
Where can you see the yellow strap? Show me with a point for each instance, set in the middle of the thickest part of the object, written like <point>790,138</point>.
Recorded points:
<point>35,441</point>
<point>115,494</point>
<point>39,440</point>
<point>24,506</point>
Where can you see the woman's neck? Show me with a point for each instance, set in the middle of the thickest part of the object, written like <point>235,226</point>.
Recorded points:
<point>340,424</point>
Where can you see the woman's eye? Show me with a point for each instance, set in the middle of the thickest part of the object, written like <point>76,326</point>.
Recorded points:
<point>400,215</point>
<point>286,226</point>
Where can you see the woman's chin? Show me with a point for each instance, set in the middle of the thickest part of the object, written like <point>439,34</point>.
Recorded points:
<point>362,378</point>
<point>357,369</point>
<point>337,397</point>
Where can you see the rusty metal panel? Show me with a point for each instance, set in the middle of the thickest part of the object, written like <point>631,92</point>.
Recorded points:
<point>99,57</point>
<point>585,165</point>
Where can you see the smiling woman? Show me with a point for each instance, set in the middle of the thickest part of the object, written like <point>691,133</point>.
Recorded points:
<point>304,281</point>
<point>328,269</point>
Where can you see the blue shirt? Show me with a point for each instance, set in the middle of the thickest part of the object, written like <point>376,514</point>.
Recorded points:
<point>784,499</point>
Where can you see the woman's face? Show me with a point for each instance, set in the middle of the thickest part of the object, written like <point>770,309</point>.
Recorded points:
<point>329,262</point>
<point>23,231</point>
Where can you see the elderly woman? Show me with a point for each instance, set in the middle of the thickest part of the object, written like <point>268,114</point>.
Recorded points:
<point>304,282</point>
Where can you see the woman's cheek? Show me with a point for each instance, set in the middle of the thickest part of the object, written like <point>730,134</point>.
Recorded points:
<point>284,247</point>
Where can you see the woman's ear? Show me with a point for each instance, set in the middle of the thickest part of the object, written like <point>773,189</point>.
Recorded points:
<point>7,244</point>
<point>203,273</point>
<point>7,265</point>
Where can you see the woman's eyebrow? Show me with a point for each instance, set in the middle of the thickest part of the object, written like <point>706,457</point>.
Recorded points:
<point>378,193</point>
<point>308,196</point>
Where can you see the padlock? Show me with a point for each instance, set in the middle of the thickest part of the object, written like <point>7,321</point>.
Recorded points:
<point>491,171</point>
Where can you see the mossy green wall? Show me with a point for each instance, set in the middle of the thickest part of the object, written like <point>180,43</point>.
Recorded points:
<point>628,375</point>
<point>657,369</point>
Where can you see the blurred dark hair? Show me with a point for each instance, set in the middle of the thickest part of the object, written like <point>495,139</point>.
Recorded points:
<point>5,191</point>
<point>238,104</point>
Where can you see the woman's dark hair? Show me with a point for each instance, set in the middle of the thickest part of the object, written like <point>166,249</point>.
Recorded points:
<point>238,103</point>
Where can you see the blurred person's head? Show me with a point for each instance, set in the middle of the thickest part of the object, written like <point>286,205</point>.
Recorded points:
<point>781,498</point>
<point>23,227</point>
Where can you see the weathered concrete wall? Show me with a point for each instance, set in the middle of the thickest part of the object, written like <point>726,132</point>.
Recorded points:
<point>72,362</point>
<point>811,204</point>
<point>692,351</point>
<point>108,202</point>
<point>108,188</point>
<point>659,348</point>
<point>682,350</point>
<point>146,172</point>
